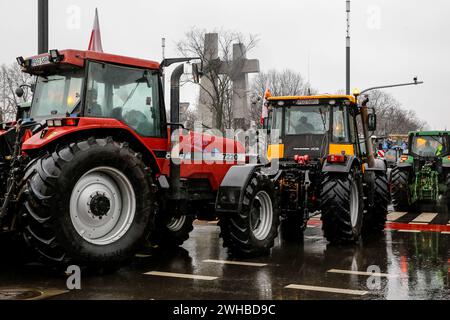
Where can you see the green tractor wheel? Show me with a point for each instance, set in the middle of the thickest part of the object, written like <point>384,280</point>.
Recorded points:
<point>401,198</point>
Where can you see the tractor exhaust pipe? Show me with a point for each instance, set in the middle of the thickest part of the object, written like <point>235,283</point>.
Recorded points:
<point>367,138</point>
<point>175,176</point>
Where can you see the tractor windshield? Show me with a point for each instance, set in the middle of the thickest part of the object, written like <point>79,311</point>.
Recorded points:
<point>57,95</point>
<point>429,146</point>
<point>307,120</point>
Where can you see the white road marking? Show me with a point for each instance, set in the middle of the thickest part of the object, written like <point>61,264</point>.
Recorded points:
<point>213,222</point>
<point>363,273</point>
<point>410,231</point>
<point>237,263</point>
<point>419,223</point>
<point>425,217</point>
<point>180,275</point>
<point>445,232</point>
<point>326,289</point>
<point>393,216</point>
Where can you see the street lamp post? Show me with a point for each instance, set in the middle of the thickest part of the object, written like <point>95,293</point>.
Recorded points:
<point>348,90</point>
<point>415,83</point>
<point>42,26</point>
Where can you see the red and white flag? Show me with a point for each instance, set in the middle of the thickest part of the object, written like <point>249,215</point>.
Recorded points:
<point>265,105</point>
<point>95,44</point>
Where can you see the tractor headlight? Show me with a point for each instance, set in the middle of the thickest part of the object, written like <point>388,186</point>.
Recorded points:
<point>229,198</point>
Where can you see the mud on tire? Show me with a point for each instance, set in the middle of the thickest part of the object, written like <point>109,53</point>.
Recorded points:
<point>337,192</point>
<point>243,234</point>
<point>52,221</point>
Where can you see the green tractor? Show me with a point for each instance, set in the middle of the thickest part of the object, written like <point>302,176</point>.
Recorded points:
<point>423,175</point>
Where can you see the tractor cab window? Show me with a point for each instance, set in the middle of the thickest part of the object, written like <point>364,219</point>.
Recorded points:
<point>339,127</point>
<point>127,94</point>
<point>307,120</point>
<point>429,146</point>
<point>57,95</point>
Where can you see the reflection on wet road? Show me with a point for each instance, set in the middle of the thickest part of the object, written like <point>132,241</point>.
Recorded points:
<point>411,260</point>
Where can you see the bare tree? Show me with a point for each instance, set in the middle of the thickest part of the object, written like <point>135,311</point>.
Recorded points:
<point>11,77</point>
<point>393,118</point>
<point>280,83</point>
<point>220,91</point>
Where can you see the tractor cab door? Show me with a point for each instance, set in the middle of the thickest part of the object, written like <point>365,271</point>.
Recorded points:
<point>131,95</point>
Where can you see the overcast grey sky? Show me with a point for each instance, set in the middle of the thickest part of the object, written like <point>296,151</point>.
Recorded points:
<point>392,40</point>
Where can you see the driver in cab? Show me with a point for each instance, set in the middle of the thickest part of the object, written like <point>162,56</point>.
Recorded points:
<point>304,126</point>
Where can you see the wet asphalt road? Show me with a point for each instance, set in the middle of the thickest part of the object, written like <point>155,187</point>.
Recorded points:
<point>413,264</point>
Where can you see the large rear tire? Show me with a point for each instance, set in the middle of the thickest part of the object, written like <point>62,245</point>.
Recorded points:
<point>89,203</point>
<point>376,215</point>
<point>342,206</point>
<point>171,231</point>
<point>252,231</point>
<point>400,193</point>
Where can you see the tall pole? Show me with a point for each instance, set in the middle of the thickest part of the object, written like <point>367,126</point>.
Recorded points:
<point>42,26</point>
<point>348,90</point>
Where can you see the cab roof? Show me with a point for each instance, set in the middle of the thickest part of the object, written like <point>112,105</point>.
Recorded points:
<point>79,57</point>
<point>315,97</point>
<point>429,133</point>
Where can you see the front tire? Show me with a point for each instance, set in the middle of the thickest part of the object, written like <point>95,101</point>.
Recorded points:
<point>401,198</point>
<point>89,204</point>
<point>172,231</point>
<point>252,231</point>
<point>342,207</point>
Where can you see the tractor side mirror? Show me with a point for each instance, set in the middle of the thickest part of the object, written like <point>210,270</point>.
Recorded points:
<point>19,92</point>
<point>372,122</point>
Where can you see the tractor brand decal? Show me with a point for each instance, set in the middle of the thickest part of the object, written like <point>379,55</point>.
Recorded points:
<point>307,102</point>
<point>307,149</point>
<point>215,156</point>
<point>40,61</point>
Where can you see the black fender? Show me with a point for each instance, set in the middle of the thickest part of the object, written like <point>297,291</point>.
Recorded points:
<point>231,190</point>
<point>341,167</point>
<point>380,166</point>
<point>403,165</point>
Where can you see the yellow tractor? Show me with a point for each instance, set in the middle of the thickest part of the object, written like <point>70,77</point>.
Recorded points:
<point>318,164</point>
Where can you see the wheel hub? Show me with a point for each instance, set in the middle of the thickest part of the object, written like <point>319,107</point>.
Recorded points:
<point>99,205</point>
<point>102,205</point>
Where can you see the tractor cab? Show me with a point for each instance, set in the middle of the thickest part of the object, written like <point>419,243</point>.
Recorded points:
<point>313,126</point>
<point>73,84</point>
<point>429,144</point>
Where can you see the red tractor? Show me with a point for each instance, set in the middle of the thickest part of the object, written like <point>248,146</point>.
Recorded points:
<point>88,177</point>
